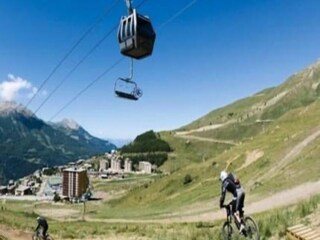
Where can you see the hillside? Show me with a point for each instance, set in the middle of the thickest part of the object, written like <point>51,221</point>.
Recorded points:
<point>268,139</point>
<point>28,143</point>
<point>300,90</point>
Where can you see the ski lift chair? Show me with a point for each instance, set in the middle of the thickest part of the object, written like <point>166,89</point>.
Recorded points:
<point>127,89</point>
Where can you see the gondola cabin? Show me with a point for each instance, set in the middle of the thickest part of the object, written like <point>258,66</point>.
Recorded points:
<point>136,36</point>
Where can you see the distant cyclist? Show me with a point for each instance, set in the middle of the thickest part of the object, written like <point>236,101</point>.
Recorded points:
<point>231,184</point>
<point>42,224</point>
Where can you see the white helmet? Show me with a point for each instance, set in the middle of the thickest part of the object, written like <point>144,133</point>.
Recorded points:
<point>223,175</point>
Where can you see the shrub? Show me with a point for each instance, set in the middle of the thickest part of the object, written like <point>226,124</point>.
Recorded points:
<point>56,198</point>
<point>187,179</point>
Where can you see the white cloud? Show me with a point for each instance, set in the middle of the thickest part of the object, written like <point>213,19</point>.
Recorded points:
<point>16,87</point>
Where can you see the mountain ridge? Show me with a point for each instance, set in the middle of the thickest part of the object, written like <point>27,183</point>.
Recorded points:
<point>10,107</point>
<point>34,143</point>
<point>306,81</point>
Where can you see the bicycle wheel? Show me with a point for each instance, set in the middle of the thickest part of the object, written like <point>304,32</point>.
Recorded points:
<point>36,237</point>
<point>49,237</point>
<point>252,230</point>
<point>227,231</point>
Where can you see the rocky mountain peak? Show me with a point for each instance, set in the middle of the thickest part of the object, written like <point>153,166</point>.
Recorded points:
<point>315,65</point>
<point>8,107</point>
<point>70,123</point>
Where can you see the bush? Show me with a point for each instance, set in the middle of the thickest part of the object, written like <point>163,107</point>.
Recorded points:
<point>56,198</point>
<point>187,179</point>
<point>50,171</point>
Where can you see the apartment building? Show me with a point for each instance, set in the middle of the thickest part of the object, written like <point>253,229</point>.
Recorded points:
<point>145,167</point>
<point>127,165</point>
<point>75,182</point>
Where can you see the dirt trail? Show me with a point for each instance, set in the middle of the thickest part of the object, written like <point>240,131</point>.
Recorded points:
<point>287,197</point>
<point>191,137</point>
<point>251,158</point>
<point>12,234</point>
<point>201,129</point>
<point>187,134</point>
<point>284,198</point>
<point>294,152</point>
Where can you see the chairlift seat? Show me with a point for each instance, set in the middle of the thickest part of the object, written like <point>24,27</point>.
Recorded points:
<point>136,36</point>
<point>126,95</point>
<point>128,89</point>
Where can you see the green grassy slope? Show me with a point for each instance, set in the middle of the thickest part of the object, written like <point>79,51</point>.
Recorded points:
<point>294,109</point>
<point>300,89</point>
<point>21,215</point>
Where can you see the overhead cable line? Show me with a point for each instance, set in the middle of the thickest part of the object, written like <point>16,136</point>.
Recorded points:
<point>80,62</point>
<point>64,58</point>
<point>178,13</point>
<point>75,68</point>
<point>141,3</point>
<point>87,87</point>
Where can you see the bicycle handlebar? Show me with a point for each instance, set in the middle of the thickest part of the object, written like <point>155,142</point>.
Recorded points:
<point>227,205</point>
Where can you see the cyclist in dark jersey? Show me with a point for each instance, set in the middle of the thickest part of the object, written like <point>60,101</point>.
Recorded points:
<point>231,184</point>
<point>42,223</point>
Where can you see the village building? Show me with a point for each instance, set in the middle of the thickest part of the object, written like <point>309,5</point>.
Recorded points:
<point>75,182</point>
<point>23,190</point>
<point>127,165</point>
<point>3,190</point>
<point>115,165</point>
<point>11,187</point>
<point>103,165</point>
<point>145,167</point>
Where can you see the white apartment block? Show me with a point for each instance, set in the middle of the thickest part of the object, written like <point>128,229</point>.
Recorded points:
<point>145,167</point>
<point>115,165</point>
<point>103,165</point>
<point>127,165</point>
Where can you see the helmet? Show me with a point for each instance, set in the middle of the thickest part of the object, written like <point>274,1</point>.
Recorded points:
<point>223,175</point>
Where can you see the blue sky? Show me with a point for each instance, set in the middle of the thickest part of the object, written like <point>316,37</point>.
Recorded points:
<point>212,54</point>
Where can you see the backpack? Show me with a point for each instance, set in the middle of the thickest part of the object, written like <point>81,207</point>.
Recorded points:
<point>234,179</point>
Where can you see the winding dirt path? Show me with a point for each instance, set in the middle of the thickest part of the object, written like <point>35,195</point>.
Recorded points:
<point>284,198</point>
<point>13,234</point>
<point>187,134</point>
<point>281,199</point>
<point>201,129</point>
<point>294,152</point>
<point>191,137</point>
<point>251,158</point>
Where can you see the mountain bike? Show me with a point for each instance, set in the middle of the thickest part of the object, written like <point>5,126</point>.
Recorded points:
<point>38,236</point>
<point>250,231</point>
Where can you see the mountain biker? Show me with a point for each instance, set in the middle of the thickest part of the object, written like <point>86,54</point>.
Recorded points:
<point>232,184</point>
<point>42,223</point>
